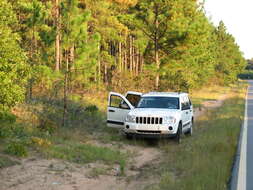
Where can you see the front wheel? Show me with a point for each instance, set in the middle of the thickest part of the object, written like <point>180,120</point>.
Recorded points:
<point>190,130</point>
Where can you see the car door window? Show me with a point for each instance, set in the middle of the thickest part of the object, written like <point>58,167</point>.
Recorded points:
<point>118,102</point>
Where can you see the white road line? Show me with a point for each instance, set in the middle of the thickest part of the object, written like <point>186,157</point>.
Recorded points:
<point>242,176</point>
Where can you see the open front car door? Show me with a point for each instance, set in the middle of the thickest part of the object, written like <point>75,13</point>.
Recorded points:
<point>118,108</point>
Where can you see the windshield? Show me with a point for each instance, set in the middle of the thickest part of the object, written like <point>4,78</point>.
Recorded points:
<point>159,102</point>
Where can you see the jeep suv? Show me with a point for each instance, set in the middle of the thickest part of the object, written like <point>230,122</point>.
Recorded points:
<point>154,114</point>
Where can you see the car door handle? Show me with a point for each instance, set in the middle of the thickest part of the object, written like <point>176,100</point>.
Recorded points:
<point>187,112</point>
<point>111,110</point>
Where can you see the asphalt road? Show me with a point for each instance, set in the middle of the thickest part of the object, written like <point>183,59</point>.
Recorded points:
<point>245,166</point>
<point>249,151</point>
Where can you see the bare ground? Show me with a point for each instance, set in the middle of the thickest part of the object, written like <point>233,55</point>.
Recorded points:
<point>34,173</point>
<point>41,174</point>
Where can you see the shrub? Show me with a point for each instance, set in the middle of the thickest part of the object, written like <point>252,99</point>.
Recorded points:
<point>16,148</point>
<point>91,108</point>
<point>5,132</point>
<point>13,131</point>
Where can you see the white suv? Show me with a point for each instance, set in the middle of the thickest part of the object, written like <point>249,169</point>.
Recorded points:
<point>153,114</point>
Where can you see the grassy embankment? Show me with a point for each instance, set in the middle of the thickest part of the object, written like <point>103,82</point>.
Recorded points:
<point>205,160</point>
<point>201,162</point>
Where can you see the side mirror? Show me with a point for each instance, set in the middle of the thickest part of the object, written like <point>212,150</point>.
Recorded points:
<point>124,105</point>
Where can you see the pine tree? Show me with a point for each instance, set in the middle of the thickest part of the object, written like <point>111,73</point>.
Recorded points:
<point>13,68</point>
<point>229,57</point>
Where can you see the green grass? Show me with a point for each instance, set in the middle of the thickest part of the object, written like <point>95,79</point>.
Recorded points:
<point>82,153</point>
<point>204,161</point>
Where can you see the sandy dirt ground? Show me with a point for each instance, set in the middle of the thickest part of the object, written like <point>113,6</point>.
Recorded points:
<point>39,174</point>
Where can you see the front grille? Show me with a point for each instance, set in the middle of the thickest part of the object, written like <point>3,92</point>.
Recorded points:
<point>150,132</point>
<point>149,120</point>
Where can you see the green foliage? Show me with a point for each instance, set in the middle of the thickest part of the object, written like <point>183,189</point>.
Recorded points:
<point>14,131</point>
<point>16,148</point>
<point>46,78</point>
<point>13,68</point>
<point>229,58</point>
<point>91,108</point>
<point>113,44</point>
<point>7,117</point>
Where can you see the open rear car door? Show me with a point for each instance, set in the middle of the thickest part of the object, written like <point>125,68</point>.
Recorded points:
<point>133,97</point>
<point>118,108</point>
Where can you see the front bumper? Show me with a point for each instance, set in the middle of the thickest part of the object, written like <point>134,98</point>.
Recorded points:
<point>150,130</point>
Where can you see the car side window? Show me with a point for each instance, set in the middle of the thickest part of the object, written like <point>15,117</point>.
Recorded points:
<point>182,103</point>
<point>118,102</point>
<point>185,105</point>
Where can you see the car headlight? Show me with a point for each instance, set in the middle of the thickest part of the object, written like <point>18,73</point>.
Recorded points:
<point>169,120</point>
<point>130,118</point>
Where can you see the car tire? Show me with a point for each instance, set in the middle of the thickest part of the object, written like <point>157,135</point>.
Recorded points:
<point>190,131</point>
<point>179,133</point>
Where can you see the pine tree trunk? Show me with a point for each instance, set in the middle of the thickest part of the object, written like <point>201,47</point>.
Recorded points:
<point>105,74</point>
<point>141,63</point>
<point>57,39</point>
<point>157,59</point>
<point>130,54</point>
<point>137,62</point>
<point>120,57</point>
<point>65,98</point>
<point>99,66</point>
<point>72,56</point>
<point>125,57</point>
<point>133,56</point>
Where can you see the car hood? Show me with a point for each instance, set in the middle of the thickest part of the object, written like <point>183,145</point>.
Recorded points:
<point>153,112</point>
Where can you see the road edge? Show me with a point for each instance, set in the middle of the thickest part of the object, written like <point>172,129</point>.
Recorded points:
<point>234,179</point>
